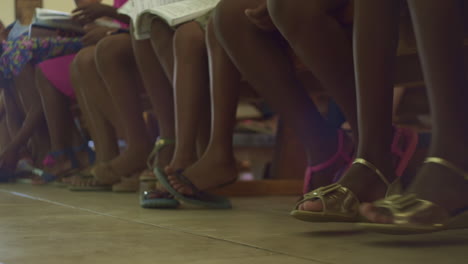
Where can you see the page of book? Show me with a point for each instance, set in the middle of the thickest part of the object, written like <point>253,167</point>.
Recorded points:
<point>186,7</point>
<point>42,13</point>
<point>173,12</point>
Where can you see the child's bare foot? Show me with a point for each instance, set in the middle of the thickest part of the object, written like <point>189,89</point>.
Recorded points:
<point>132,160</point>
<point>208,173</point>
<point>181,161</point>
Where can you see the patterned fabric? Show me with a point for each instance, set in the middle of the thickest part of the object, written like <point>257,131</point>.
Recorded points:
<point>16,54</point>
<point>17,30</point>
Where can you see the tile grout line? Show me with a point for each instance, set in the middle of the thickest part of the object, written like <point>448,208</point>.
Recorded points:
<point>158,226</point>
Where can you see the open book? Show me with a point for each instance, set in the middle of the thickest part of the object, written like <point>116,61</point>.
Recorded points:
<point>56,20</point>
<point>173,12</point>
<point>64,21</point>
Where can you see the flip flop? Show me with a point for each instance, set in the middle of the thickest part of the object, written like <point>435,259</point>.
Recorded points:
<point>89,188</point>
<point>340,155</point>
<point>99,187</point>
<point>50,160</point>
<point>199,198</point>
<point>152,196</point>
<point>412,215</point>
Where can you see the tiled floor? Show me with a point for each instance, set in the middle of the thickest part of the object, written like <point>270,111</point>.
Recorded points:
<point>50,225</point>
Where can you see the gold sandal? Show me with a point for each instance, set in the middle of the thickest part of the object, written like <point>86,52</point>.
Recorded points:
<point>340,204</point>
<point>406,208</point>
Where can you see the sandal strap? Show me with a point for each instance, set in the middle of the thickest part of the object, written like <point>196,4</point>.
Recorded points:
<point>373,168</point>
<point>185,181</point>
<point>91,153</point>
<point>405,208</point>
<point>340,154</point>
<point>447,164</point>
<point>51,157</point>
<point>160,144</point>
<point>336,199</point>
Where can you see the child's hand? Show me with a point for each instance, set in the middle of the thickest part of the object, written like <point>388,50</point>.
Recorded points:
<point>95,34</point>
<point>260,17</point>
<point>89,13</point>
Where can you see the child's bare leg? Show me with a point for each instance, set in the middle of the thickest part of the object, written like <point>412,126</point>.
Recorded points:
<point>24,83</point>
<point>155,63</point>
<point>266,66</point>
<point>217,166</point>
<point>4,132</point>
<point>375,45</point>
<point>95,105</point>
<point>14,114</point>
<point>162,41</point>
<point>323,45</point>
<point>439,32</point>
<point>117,67</point>
<point>62,129</point>
<point>192,97</point>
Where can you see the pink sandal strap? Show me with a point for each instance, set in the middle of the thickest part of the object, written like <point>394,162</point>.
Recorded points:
<point>49,161</point>
<point>340,154</point>
<point>406,153</point>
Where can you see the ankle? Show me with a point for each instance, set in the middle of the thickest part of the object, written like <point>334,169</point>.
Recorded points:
<point>454,154</point>
<point>382,162</point>
<point>182,163</point>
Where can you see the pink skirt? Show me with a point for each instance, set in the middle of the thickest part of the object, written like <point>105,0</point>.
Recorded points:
<point>57,71</point>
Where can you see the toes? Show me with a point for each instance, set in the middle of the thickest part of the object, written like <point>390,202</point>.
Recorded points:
<point>375,215</point>
<point>169,170</point>
<point>313,206</point>
<point>367,210</point>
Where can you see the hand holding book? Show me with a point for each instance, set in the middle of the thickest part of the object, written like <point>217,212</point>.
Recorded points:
<point>90,13</point>
<point>95,34</point>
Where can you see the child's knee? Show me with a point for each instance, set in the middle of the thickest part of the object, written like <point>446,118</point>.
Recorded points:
<point>230,14</point>
<point>83,60</point>
<point>289,16</point>
<point>189,37</point>
<point>114,51</point>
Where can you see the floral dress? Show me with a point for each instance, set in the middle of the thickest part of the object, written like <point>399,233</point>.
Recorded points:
<point>14,55</point>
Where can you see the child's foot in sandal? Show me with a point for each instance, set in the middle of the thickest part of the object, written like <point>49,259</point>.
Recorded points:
<point>438,195</point>
<point>152,194</point>
<point>101,177</point>
<point>206,174</point>
<point>362,181</point>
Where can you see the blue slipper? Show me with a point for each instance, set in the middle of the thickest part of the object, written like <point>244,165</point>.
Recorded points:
<point>200,198</point>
